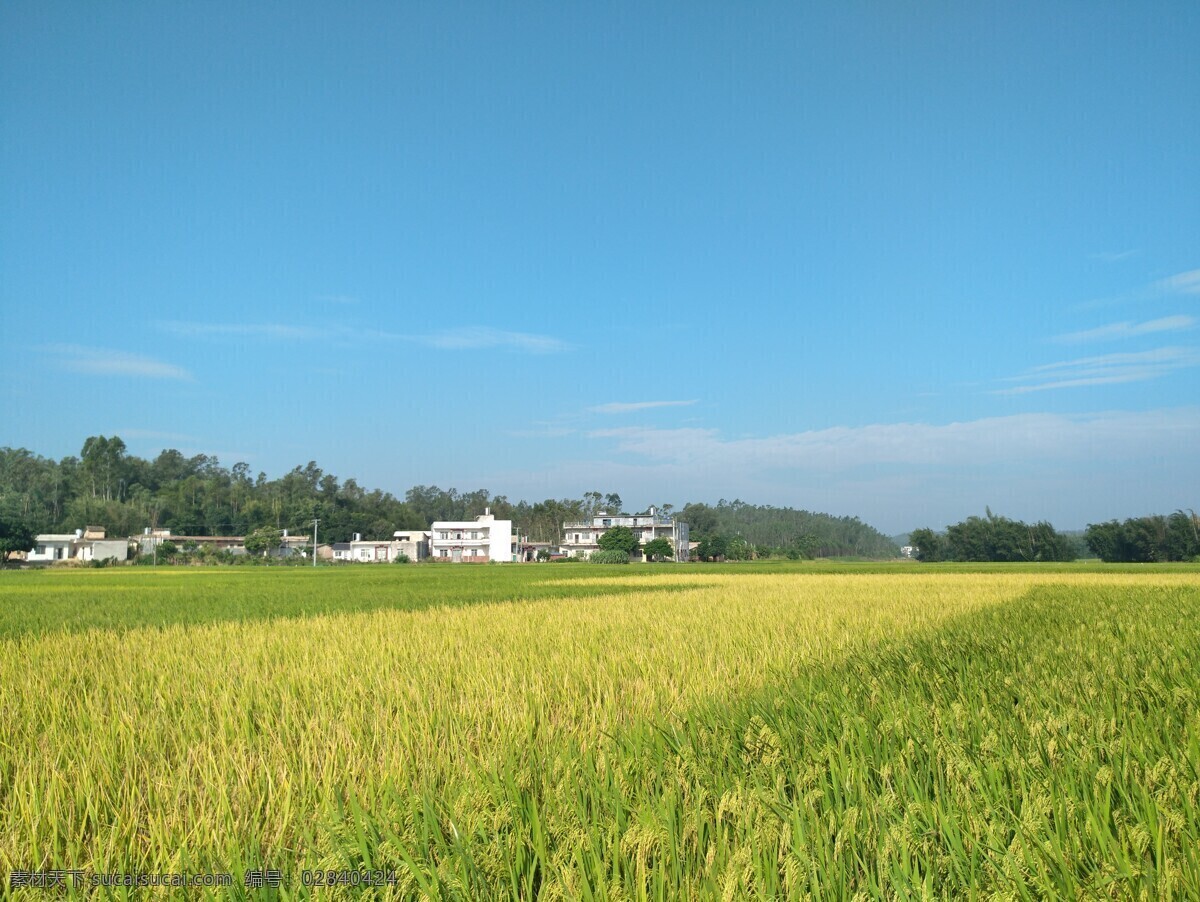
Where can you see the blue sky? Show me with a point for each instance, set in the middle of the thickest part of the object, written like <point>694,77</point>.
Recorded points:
<point>899,261</point>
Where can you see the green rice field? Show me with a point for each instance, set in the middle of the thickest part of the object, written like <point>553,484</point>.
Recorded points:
<point>661,732</point>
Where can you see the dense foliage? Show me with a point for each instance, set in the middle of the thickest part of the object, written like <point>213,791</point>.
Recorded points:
<point>609,556</point>
<point>106,486</point>
<point>1147,539</point>
<point>994,538</point>
<point>620,539</point>
<point>658,550</point>
<point>736,530</point>
<point>15,535</point>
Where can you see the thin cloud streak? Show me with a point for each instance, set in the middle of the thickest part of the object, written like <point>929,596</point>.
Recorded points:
<point>1069,469</point>
<point>278,331</point>
<point>468,338</point>
<point>992,440</point>
<point>1182,283</point>
<point>630,406</point>
<point>1103,369</point>
<point>480,337</point>
<point>1126,329</point>
<point>106,362</point>
<point>545,432</point>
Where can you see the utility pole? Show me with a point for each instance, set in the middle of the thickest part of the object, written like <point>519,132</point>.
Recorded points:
<point>315,522</point>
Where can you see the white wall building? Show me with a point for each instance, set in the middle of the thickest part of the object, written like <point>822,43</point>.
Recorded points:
<point>581,539</point>
<point>412,542</point>
<point>472,541</point>
<point>370,551</point>
<point>83,545</point>
<point>53,547</point>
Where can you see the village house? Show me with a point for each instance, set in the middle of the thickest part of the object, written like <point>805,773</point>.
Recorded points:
<point>413,543</point>
<point>581,539</point>
<point>473,541</point>
<point>87,544</point>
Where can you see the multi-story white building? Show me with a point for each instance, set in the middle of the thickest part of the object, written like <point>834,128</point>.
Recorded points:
<point>581,539</point>
<point>472,541</point>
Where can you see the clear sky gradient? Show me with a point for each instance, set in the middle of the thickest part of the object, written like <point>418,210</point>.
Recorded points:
<point>899,261</point>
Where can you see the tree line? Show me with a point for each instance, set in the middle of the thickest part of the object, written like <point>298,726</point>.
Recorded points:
<point>735,530</point>
<point>105,485</point>
<point>994,538</point>
<point>1143,540</point>
<point>1150,539</point>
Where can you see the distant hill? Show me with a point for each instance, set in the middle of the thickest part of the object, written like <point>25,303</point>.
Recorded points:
<point>784,528</point>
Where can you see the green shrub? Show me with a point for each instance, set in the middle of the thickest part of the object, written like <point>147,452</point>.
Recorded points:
<point>609,557</point>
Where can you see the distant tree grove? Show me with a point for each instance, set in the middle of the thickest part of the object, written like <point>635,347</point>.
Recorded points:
<point>735,530</point>
<point>107,486</point>
<point>1173,537</point>
<point>993,538</point>
<point>1159,537</point>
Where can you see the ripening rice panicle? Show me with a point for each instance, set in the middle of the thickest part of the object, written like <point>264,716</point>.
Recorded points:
<point>676,733</point>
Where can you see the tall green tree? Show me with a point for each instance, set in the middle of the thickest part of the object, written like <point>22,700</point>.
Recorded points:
<point>659,550</point>
<point>618,538</point>
<point>930,546</point>
<point>15,535</point>
<point>263,541</point>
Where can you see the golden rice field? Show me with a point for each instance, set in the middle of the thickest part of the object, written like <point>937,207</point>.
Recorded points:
<point>609,733</point>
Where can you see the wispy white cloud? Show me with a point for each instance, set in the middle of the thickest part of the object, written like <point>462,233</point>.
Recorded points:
<point>1126,329</point>
<point>629,406</point>
<point>1115,256</point>
<point>1008,440</point>
<point>1069,468</point>
<point>479,337</point>
<point>344,299</point>
<point>467,338</point>
<point>1182,283</point>
<point>1103,369</point>
<point>547,431</point>
<point>279,331</point>
<point>106,362</point>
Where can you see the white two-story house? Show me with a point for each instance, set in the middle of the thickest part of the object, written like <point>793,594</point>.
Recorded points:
<point>472,541</point>
<point>581,539</point>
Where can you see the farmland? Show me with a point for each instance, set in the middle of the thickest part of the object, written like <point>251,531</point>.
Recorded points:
<point>596,732</point>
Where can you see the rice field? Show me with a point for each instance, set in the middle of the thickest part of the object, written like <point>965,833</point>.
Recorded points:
<point>588,732</point>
